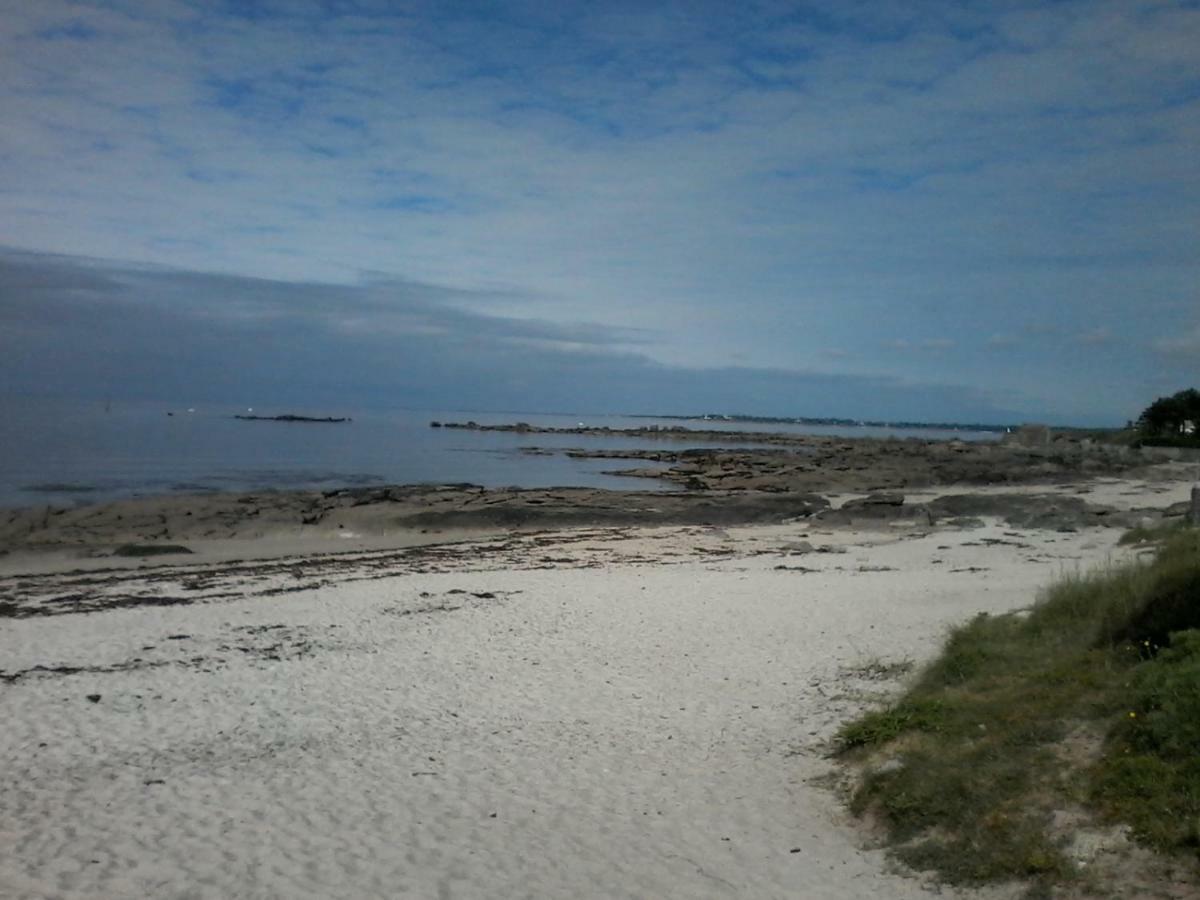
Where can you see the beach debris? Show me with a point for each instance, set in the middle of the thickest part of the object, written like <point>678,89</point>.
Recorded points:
<point>798,547</point>
<point>872,500</point>
<point>150,549</point>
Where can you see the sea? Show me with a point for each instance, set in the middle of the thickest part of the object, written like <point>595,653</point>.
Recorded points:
<point>71,453</point>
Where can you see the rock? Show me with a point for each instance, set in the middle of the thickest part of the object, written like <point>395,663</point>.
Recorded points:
<point>890,766</point>
<point>798,547</point>
<point>884,507</point>
<point>95,698</point>
<point>1042,511</point>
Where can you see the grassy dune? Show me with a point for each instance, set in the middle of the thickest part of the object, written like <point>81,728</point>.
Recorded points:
<point>1085,708</point>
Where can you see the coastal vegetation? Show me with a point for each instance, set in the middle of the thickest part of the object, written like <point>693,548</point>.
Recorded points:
<point>1078,716</point>
<point>1172,421</point>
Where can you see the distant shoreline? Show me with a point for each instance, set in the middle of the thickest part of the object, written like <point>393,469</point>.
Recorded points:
<point>841,422</point>
<point>294,418</point>
<point>681,432</point>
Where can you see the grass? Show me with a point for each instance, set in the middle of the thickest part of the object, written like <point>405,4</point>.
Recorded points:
<point>1151,776</point>
<point>986,745</point>
<point>1153,533</point>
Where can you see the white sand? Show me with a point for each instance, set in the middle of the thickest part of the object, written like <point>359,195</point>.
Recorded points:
<point>631,714</point>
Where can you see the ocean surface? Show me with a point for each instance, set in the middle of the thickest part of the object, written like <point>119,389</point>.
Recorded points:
<point>67,453</point>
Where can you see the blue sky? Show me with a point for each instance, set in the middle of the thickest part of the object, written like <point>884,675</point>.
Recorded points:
<point>870,209</point>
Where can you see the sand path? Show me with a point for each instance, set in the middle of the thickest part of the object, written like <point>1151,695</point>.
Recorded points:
<point>641,713</point>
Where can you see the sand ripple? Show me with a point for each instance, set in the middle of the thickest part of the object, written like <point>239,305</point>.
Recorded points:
<point>605,725</point>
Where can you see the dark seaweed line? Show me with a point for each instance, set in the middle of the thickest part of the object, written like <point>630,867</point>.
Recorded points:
<point>326,568</point>
<point>13,677</point>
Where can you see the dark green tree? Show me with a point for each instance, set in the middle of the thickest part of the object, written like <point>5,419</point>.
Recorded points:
<point>1172,416</point>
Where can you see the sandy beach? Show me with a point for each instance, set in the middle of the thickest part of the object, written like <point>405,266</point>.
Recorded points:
<point>620,711</point>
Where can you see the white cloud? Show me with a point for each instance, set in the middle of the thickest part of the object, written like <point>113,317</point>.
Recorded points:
<point>745,184</point>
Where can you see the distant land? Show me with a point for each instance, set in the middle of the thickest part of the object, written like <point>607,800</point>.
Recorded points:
<point>1096,431</point>
<point>292,418</point>
<point>828,420</point>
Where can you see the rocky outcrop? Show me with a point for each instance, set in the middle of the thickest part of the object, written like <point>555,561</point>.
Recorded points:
<point>374,510</point>
<point>836,464</point>
<point>876,509</point>
<point>1045,511</point>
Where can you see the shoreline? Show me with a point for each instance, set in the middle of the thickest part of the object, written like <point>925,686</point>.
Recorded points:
<point>890,483</point>
<point>660,458</point>
<point>409,515</point>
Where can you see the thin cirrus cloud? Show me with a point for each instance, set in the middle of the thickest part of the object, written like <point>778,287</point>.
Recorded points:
<point>694,185</point>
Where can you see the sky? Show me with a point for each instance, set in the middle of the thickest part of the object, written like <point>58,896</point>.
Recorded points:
<point>938,211</point>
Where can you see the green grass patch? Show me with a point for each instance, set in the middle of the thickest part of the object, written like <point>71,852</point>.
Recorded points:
<point>980,752</point>
<point>1153,533</point>
<point>1150,777</point>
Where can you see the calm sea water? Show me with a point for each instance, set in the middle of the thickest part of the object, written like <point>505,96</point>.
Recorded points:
<point>68,453</point>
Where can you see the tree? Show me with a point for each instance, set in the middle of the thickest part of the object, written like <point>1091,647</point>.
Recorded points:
<point>1172,416</point>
